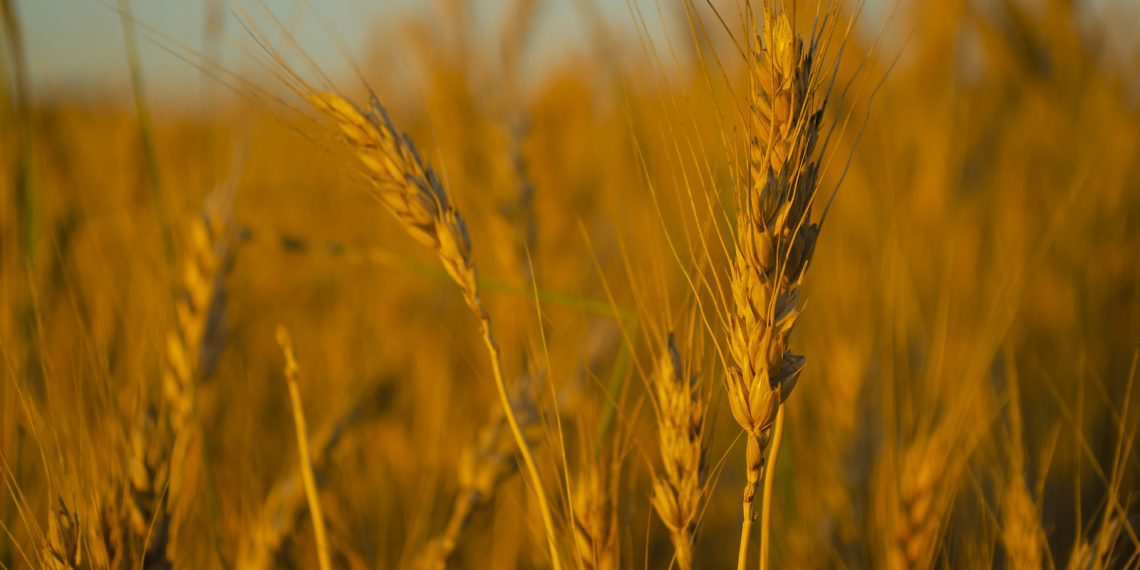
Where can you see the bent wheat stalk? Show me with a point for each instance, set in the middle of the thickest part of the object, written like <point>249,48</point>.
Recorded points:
<point>414,195</point>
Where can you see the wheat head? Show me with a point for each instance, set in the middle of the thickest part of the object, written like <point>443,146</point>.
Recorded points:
<point>679,489</point>
<point>595,518</point>
<point>774,238</point>
<point>61,549</point>
<point>412,192</point>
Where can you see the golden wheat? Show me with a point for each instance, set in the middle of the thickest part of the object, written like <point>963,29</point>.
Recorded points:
<point>148,519</point>
<point>679,491</point>
<point>774,240</point>
<point>595,531</point>
<point>414,195</point>
<point>62,548</point>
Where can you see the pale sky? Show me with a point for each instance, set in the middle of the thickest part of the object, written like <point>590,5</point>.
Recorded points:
<point>77,45</point>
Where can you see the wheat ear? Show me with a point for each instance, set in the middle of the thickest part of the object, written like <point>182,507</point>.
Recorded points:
<point>61,549</point>
<point>1021,532</point>
<point>774,241</point>
<point>595,518</point>
<point>192,347</point>
<point>159,446</point>
<point>412,192</point>
<point>148,520</point>
<point>927,482</point>
<point>678,491</point>
<point>195,343</point>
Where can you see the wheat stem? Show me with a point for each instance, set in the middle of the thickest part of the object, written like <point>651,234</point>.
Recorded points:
<point>307,476</point>
<point>769,477</point>
<point>745,532</point>
<point>754,464</point>
<point>524,449</point>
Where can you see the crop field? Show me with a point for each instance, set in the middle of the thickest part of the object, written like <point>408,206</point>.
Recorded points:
<point>763,283</point>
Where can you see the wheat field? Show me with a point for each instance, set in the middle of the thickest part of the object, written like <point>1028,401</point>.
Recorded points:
<point>768,283</point>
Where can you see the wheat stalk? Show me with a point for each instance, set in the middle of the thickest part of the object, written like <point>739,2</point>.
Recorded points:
<point>774,240</point>
<point>286,501</point>
<point>306,464</point>
<point>413,194</point>
<point>679,490</point>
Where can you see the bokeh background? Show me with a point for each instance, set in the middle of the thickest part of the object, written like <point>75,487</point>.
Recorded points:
<point>971,321</point>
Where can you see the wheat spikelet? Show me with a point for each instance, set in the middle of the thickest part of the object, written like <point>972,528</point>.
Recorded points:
<point>61,550</point>
<point>678,492</point>
<point>412,192</point>
<point>774,239</point>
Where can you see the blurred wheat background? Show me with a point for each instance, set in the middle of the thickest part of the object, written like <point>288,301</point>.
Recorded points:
<point>221,349</point>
